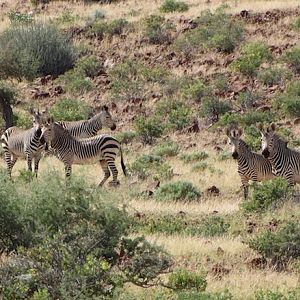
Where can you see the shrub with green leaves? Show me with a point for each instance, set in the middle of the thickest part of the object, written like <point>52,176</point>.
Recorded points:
<point>213,107</point>
<point>253,55</point>
<point>178,191</point>
<point>16,17</point>
<point>70,110</point>
<point>166,149</point>
<point>149,129</point>
<point>273,75</point>
<point>215,30</point>
<point>292,58</point>
<point>157,30</point>
<point>214,226</point>
<point>151,165</point>
<point>280,246</point>
<point>267,195</point>
<point>173,5</point>
<point>186,280</point>
<point>34,50</point>
<point>276,295</point>
<point>196,90</point>
<point>248,99</point>
<point>23,120</point>
<point>126,137</point>
<point>192,157</point>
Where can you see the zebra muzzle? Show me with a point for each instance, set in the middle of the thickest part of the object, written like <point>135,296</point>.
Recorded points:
<point>266,153</point>
<point>235,155</point>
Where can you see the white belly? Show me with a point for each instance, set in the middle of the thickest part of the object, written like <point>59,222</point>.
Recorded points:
<point>87,161</point>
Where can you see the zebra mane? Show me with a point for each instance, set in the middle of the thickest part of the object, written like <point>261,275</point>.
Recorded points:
<point>62,129</point>
<point>244,144</point>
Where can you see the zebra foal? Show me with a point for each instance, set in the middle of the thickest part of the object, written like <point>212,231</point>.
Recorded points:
<point>251,165</point>
<point>20,143</point>
<point>70,150</point>
<point>285,161</point>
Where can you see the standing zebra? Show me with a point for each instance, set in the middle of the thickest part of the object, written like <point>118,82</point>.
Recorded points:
<point>90,127</point>
<point>17,142</point>
<point>70,150</point>
<point>251,166</point>
<point>285,161</point>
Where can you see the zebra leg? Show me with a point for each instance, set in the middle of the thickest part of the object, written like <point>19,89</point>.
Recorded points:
<point>10,162</point>
<point>114,171</point>
<point>106,171</point>
<point>36,165</point>
<point>68,170</point>
<point>29,163</point>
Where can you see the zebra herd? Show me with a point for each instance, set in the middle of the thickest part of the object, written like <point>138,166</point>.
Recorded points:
<point>277,159</point>
<point>72,142</point>
<point>78,143</point>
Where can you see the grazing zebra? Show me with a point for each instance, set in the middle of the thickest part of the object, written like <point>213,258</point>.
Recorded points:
<point>251,166</point>
<point>20,143</point>
<point>90,127</point>
<point>70,150</point>
<point>285,161</point>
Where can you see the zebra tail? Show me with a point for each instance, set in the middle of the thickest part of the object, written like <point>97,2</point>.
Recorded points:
<point>122,163</point>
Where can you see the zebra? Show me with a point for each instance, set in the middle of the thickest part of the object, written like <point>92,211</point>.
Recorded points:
<point>70,150</point>
<point>90,127</point>
<point>251,165</point>
<point>21,143</point>
<point>285,161</point>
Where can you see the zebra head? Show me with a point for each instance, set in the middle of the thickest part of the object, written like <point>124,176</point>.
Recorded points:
<point>234,135</point>
<point>104,118</point>
<point>47,133</point>
<point>269,140</point>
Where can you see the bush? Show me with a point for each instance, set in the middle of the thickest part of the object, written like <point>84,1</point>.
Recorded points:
<point>253,55</point>
<point>166,149</point>
<point>248,99</point>
<point>23,120</point>
<point>192,157</point>
<point>281,246</point>
<point>196,91</point>
<point>157,30</point>
<point>215,30</point>
<point>178,191</point>
<point>213,107</point>
<point>34,50</point>
<point>89,66</point>
<point>292,57</point>
<point>185,280</point>
<point>151,165</point>
<point>70,110</point>
<point>221,83</point>
<point>202,166</point>
<point>253,137</point>
<point>16,17</point>
<point>172,5</point>
<point>214,226</point>
<point>275,295</point>
<point>67,17</point>
<point>297,24</point>
<point>73,243</point>
<point>148,129</point>
<point>273,75</point>
<point>126,137</point>
<point>267,195</point>
<point>290,105</point>
<point>75,82</point>
<point>226,295</point>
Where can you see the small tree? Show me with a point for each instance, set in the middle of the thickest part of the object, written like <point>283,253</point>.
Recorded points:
<point>7,97</point>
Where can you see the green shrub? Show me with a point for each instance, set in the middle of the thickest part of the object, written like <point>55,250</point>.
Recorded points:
<point>202,166</point>
<point>178,191</point>
<point>172,5</point>
<point>192,157</point>
<point>66,17</point>
<point>23,120</point>
<point>101,28</point>
<point>253,55</point>
<point>70,110</point>
<point>212,106</point>
<point>248,99</point>
<point>293,88</point>
<point>126,137</point>
<point>192,295</point>
<point>221,83</point>
<point>215,30</point>
<point>281,246</point>
<point>196,91</point>
<point>166,149</point>
<point>273,75</point>
<point>34,50</point>
<point>175,85</point>
<point>267,195</point>
<point>290,105</point>
<point>89,66</point>
<point>275,295</point>
<point>214,226</point>
<point>148,129</point>
<point>151,165</point>
<point>297,24</point>
<point>157,30</point>
<point>292,57</point>
<point>253,137</point>
<point>16,17</point>
<point>185,280</point>
<point>176,114</point>
<point>75,82</point>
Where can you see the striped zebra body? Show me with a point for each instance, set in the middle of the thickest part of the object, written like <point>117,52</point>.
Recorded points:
<point>285,161</point>
<point>89,128</point>
<point>19,143</point>
<point>251,165</point>
<point>70,150</point>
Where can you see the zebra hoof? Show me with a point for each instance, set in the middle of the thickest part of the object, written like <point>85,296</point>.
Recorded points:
<point>114,183</point>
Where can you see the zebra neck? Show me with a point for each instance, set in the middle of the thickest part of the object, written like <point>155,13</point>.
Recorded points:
<point>95,123</point>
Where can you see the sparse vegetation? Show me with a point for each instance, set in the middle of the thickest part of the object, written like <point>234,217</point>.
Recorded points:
<point>173,5</point>
<point>272,76</point>
<point>192,157</point>
<point>292,58</point>
<point>167,149</point>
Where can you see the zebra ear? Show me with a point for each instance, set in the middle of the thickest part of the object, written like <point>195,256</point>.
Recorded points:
<point>31,111</point>
<point>260,127</point>
<point>273,127</point>
<point>105,107</point>
<point>240,132</point>
<point>228,132</point>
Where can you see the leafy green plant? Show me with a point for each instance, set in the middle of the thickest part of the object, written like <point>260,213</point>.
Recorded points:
<point>17,17</point>
<point>267,195</point>
<point>248,99</point>
<point>157,30</point>
<point>126,137</point>
<point>168,148</point>
<point>292,58</point>
<point>273,75</point>
<point>148,129</point>
<point>23,120</point>
<point>200,166</point>
<point>221,83</point>
<point>192,157</point>
<point>34,50</point>
<point>253,55</point>
<point>212,106</point>
<point>280,246</point>
<point>67,17</point>
<point>178,191</point>
<point>214,226</point>
<point>172,5</point>
<point>70,110</point>
<point>196,91</point>
<point>185,280</point>
<point>276,295</point>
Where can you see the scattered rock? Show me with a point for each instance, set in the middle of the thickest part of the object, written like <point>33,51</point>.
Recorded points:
<point>213,191</point>
<point>297,121</point>
<point>220,251</point>
<point>244,13</point>
<point>257,263</point>
<point>194,127</point>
